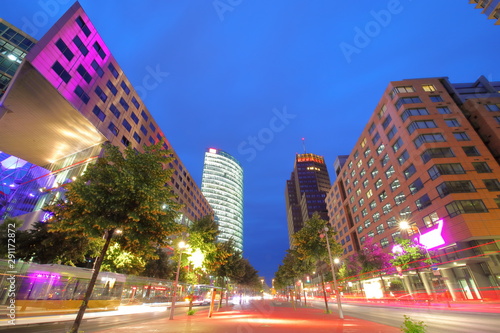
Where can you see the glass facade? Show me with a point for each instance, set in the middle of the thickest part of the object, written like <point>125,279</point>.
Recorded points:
<point>222,186</point>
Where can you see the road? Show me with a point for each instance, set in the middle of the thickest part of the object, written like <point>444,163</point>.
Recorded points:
<point>437,320</point>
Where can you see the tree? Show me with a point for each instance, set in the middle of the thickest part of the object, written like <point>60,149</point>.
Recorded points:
<point>373,259</point>
<point>121,191</point>
<point>119,261</point>
<point>160,266</point>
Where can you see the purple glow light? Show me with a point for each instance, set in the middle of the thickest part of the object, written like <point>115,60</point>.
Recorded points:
<point>397,249</point>
<point>432,238</point>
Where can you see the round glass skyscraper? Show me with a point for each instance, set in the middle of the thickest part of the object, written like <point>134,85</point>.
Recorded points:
<point>222,186</point>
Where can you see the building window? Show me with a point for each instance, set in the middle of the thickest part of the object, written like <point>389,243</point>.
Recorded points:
<point>382,196</point>
<point>99,92</point>
<point>386,122</point>
<point>64,49</point>
<point>97,68</point>
<point>363,143</point>
<point>125,141</point>
<point>410,171</point>
<point>395,184</point>
<point>376,217</point>
<point>396,235</point>
<point>492,107</point>
<point>98,112</point>
<point>112,87</point>
<point>376,138</point>
<point>136,103</point>
<point>144,130</point>
<point>381,112</point>
<point>445,169</point>
<point>400,198</point>
<point>373,204</point>
<point>497,119</point>
<point>386,209</point>
<point>389,172</point>
<point>481,167</point>
<point>403,157</point>
<point>83,26</point>
<point>124,104</point>
<point>436,98</point>
<point>461,136</point>
<point>360,163</point>
<point>391,133</point>
<point>113,128</point>
<point>83,72</point>
<point>443,110</point>
<point>115,111</point>
<point>151,140</point>
<point>428,87</point>
<point>360,229</point>
<point>365,183</point>
<point>134,118</point>
<point>59,69</point>
<point>436,153</point>
<point>79,44</point>
<point>370,162</point>
<point>380,229</point>
<point>380,149</point>
<point>369,193</point>
<point>367,223</point>
<point>81,93</point>
<point>378,184</point>
<point>125,87</point>
<point>416,186</point>
<point>423,201</point>
<point>137,137</point>
<point>362,173</point>
<point>367,152</point>
<point>407,100</point>
<point>99,50</point>
<point>413,112</point>
<point>374,173</point>
<point>458,207</point>
<point>452,122</point>
<point>461,186</point>
<point>152,127</point>
<point>385,160</point>
<point>401,89</point>
<point>420,124</point>
<point>391,222</point>
<point>471,151</point>
<point>426,138</point>
<point>431,219</point>
<point>364,212</point>
<point>371,129</point>
<point>113,70</point>
<point>127,125</point>
<point>492,184</point>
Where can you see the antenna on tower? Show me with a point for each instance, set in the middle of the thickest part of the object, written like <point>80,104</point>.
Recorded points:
<point>304,144</point>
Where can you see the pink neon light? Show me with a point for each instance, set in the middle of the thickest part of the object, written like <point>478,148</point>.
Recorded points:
<point>397,249</point>
<point>432,238</point>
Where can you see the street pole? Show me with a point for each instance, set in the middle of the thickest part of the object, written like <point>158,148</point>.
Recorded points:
<point>337,291</point>
<point>172,306</point>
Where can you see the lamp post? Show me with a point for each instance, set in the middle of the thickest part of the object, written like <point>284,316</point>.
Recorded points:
<point>182,245</point>
<point>337,293</point>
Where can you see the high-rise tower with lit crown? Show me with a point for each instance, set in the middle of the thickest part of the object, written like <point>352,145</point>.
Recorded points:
<point>222,186</point>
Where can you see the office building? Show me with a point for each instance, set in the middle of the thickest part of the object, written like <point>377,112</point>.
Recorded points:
<point>490,8</point>
<point>305,191</point>
<point>222,186</point>
<point>428,156</point>
<point>68,96</point>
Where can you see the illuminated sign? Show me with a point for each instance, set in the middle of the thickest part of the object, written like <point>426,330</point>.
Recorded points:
<point>212,150</point>
<point>432,238</point>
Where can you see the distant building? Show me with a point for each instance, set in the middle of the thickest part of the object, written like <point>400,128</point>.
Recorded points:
<point>490,8</point>
<point>222,185</point>
<point>68,96</point>
<point>429,156</point>
<point>306,191</point>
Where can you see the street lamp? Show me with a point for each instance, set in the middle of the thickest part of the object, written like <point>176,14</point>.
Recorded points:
<point>337,293</point>
<point>182,246</point>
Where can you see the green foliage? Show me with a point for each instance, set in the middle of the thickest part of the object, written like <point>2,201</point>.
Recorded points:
<point>292,268</point>
<point>120,261</point>
<point>160,266</point>
<point>124,192</point>
<point>413,326</point>
<point>191,312</point>
<point>43,245</point>
<point>412,255</point>
<point>202,241</point>
<point>396,285</point>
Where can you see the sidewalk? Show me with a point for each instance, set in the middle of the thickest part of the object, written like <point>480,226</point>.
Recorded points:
<point>259,316</point>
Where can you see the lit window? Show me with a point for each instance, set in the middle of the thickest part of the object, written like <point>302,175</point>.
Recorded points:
<point>428,87</point>
<point>64,49</point>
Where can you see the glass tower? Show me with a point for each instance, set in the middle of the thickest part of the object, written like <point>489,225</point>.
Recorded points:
<point>222,186</point>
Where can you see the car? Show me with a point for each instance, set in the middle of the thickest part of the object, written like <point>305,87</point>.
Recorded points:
<point>199,300</point>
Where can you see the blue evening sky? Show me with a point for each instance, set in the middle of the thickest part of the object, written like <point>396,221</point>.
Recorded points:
<point>254,77</point>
